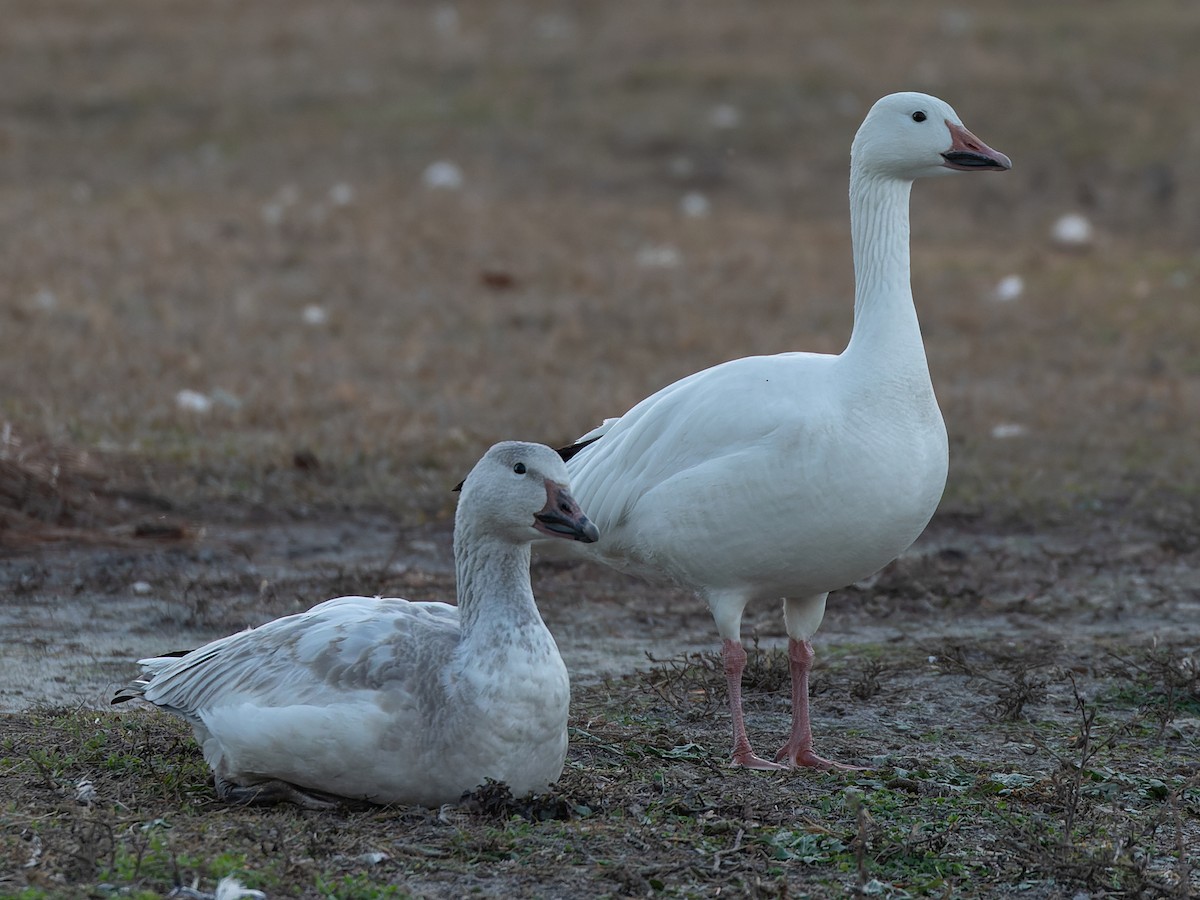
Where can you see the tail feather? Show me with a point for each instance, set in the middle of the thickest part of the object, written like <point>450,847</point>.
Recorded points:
<point>132,691</point>
<point>136,689</point>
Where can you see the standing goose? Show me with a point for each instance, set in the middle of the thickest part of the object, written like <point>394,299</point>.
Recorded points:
<point>793,475</point>
<point>391,701</point>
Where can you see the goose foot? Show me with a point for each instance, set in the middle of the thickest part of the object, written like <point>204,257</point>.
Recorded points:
<point>747,760</point>
<point>269,793</point>
<point>800,757</point>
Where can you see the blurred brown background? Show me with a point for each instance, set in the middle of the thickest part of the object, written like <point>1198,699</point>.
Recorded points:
<point>384,235</point>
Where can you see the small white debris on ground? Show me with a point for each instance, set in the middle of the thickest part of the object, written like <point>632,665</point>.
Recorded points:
<point>442,175</point>
<point>956,22</point>
<point>315,315</point>
<point>193,401</point>
<point>444,19</point>
<point>85,792</point>
<point>724,116</point>
<point>229,888</point>
<point>35,852</point>
<point>659,256</point>
<point>274,209</point>
<point>1007,430</point>
<point>1009,289</point>
<point>45,299</point>
<point>341,194</point>
<point>554,26</point>
<point>141,588</point>
<point>209,153</point>
<point>875,886</point>
<point>1072,230</point>
<point>694,205</point>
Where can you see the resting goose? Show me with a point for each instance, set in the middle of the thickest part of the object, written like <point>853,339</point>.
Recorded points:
<point>391,701</point>
<point>793,475</point>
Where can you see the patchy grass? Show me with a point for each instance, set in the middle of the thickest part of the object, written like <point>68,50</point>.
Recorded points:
<point>1088,795</point>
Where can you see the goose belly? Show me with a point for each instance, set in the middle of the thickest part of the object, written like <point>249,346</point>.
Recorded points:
<point>794,521</point>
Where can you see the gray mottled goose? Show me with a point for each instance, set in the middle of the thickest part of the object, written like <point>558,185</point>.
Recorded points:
<point>793,475</point>
<point>391,701</point>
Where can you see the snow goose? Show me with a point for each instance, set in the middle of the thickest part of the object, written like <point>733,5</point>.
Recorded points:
<point>793,475</point>
<point>391,701</point>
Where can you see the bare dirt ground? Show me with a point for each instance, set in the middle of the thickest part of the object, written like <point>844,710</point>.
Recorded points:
<point>235,200</point>
<point>1127,586</point>
<point>1028,705</point>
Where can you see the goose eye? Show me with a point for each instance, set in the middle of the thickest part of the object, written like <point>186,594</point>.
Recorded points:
<point>918,116</point>
<point>519,468</point>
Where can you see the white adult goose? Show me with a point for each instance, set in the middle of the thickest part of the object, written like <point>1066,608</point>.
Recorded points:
<point>390,701</point>
<point>793,475</point>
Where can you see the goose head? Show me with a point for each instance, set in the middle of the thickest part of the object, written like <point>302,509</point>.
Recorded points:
<point>909,135</point>
<point>520,491</point>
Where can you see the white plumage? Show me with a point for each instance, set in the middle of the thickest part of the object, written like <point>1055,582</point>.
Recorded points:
<point>390,701</point>
<point>793,475</point>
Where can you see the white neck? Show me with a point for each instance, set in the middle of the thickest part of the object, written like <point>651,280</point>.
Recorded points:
<point>494,590</point>
<point>885,320</point>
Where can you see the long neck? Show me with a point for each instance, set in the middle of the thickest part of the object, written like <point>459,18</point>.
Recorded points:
<point>494,590</point>
<point>885,320</point>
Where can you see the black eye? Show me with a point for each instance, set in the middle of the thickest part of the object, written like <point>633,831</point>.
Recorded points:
<point>519,468</point>
<point>918,116</point>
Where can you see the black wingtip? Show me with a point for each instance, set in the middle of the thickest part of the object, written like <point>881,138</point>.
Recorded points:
<point>458,487</point>
<point>567,452</point>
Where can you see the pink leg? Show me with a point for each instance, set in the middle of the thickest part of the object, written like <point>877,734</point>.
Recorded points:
<point>798,749</point>
<point>734,657</point>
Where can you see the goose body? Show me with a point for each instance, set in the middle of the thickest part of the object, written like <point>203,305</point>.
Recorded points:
<point>796,474</point>
<point>392,701</point>
<point>820,511</point>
